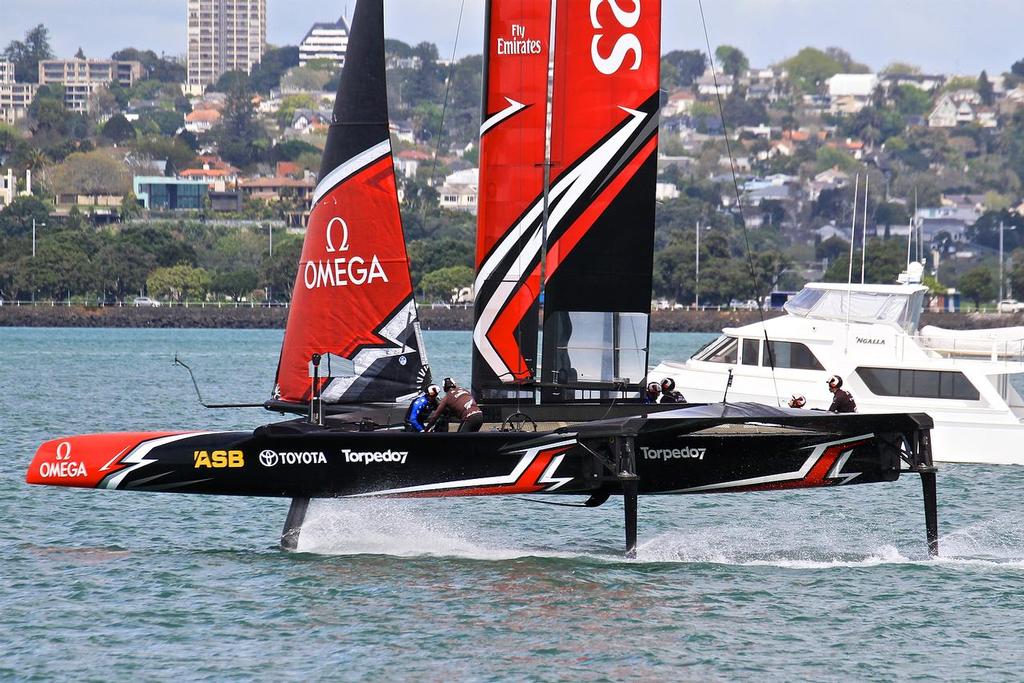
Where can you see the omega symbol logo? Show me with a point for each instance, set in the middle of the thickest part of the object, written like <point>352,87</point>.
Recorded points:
<point>337,222</point>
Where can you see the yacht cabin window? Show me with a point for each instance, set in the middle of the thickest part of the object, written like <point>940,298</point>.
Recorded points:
<point>750,350</point>
<point>725,350</point>
<point>918,383</point>
<point>791,355</point>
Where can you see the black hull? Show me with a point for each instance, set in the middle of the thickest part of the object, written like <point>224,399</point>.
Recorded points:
<point>668,454</point>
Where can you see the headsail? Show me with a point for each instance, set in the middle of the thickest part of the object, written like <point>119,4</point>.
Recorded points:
<point>581,243</point>
<point>353,296</point>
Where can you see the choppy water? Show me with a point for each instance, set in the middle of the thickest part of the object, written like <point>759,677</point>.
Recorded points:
<point>822,585</point>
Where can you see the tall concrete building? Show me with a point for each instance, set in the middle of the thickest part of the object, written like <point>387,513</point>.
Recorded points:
<point>223,35</point>
<point>325,41</point>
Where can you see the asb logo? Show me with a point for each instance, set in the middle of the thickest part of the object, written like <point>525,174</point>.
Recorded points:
<point>613,60</point>
<point>341,271</point>
<point>218,459</point>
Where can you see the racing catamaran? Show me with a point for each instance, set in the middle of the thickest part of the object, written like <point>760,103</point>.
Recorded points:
<point>566,222</point>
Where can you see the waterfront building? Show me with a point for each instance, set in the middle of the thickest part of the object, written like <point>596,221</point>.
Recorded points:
<point>223,35</point>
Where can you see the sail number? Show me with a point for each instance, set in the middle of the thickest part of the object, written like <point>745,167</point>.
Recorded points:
<point>627,44</point>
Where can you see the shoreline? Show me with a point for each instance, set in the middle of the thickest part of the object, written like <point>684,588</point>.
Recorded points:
<point>438,319</point>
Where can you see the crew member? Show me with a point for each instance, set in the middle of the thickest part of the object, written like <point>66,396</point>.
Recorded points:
<point>653,393</point>
<point>797,401</point>
<point>669,393</point>
<point>842,400</point>
<point>421,408</point>
<point>461,404</point>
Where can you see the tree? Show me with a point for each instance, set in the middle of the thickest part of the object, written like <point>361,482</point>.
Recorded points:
<point>911,100</point>
<point>118,129</point>
<point>16,218</point>
<point>442,284</point>
<point>168,122</point>
<point>688,66</point>
<point>428,255</point>
<point>1018,68</point>
<point>240,138</point>
<point>91,173</point>
<point>810,68</point>
<point>178,282</point>
<point>154,67</point>
<point>979,284</point>
<point>732,59</point>
<point>235,283</point>
<point>885,260</point>
<point>26,55</point>
<point>985,90</point>
<point>266,75</point>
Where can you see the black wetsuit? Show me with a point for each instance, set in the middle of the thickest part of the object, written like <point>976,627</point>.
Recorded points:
<point>671,397</point>
<point>842,402</point>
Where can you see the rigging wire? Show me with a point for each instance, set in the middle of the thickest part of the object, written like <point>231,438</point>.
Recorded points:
<point>739,202</point>
<point>447,88</point>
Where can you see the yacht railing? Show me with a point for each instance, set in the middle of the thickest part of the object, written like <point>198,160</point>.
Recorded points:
<point>996,350</point>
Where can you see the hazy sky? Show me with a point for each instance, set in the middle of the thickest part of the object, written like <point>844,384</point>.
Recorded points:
<point>951,36</point>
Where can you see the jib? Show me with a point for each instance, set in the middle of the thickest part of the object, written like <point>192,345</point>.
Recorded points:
<point>218,459</point>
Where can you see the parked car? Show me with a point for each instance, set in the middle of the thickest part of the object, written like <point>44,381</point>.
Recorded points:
<point>107,300</point>
<point>1010,306</point>
<point>144,301</point>
<point>748,305</point>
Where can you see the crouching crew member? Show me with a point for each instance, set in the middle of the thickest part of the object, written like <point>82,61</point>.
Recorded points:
<point>459,402</point>
<point>842,400</point>
<point>797,401</point>
<point>669,393</point>
<point>653,393</point>
<point>420,409</point>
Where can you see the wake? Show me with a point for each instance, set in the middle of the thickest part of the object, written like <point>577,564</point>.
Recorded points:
<point>408,529</point>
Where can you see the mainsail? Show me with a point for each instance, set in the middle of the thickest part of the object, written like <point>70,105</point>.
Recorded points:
<point>352,303</point>
<point>581,245</point>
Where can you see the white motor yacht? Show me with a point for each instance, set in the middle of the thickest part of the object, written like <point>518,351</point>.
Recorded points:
<point>869,336</point>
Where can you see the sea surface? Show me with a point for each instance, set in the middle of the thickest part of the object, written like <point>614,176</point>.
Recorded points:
<point>814,585</point>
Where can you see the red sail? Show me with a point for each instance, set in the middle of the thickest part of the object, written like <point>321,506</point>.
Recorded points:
<point>512,140</point>
<point>352,300</point>
<point>604,168</point>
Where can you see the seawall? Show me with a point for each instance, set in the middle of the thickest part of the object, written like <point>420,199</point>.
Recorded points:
<point>431,318</point>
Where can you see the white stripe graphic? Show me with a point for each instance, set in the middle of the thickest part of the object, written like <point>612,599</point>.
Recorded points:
<point>364,158</point>
<point>528,457</point>
<point>818,451</point>
<point>138,456</point>
<point>512,108</point>
<point>572,186</point>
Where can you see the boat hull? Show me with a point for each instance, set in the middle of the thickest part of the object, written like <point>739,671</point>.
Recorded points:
<point>666,454</point>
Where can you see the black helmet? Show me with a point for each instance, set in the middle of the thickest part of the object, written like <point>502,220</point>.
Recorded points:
<point>449,384</point>
<point>835,382</point>
<point>668,384</point>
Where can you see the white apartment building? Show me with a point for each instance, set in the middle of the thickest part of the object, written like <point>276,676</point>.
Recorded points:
<point>14,97</point>
<point>223,35</point>
<point>325,41</point>
<point>81,78</point>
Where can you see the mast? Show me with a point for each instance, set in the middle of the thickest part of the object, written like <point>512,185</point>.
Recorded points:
<point>864,232</point>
